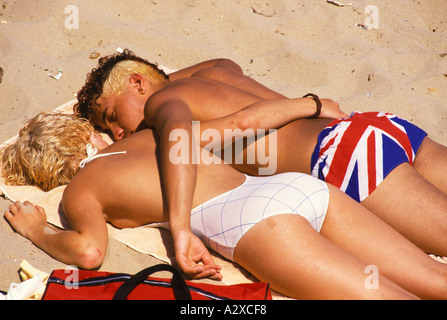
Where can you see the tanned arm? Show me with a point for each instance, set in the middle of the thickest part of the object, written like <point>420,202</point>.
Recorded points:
<point>179,181</point>
<point>270,114</point>
<point>84,245</point>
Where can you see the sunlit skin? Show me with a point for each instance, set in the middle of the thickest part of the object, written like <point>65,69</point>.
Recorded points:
<point>167,106</point>
<point>217,88</point>
<point>331,264</point>
<point>103,200</point>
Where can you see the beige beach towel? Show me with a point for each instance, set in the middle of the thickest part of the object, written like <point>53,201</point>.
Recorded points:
<point>146,239</point>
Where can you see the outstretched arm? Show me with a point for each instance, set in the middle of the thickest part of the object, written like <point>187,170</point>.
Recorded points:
<point>84,246</point>
<point>268,115</point>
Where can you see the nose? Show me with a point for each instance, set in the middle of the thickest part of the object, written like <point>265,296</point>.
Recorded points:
<point>117,132</point>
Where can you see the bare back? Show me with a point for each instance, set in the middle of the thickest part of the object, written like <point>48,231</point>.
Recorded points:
<point>127,188</point>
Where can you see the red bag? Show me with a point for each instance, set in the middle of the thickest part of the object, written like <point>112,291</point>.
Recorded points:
<point>96,285</point>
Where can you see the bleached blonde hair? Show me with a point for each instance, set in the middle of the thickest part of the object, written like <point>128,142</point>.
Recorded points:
<point>120,73</point>
<point>47,151</point>
<point>86,107</point>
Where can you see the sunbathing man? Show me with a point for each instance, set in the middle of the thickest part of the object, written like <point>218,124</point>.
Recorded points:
<point>305,237</point>
<point>375,158</point>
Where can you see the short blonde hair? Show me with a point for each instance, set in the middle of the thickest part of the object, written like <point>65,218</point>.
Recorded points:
<point>120,73</point>
<point>86,107</point>
<point>47,151</point>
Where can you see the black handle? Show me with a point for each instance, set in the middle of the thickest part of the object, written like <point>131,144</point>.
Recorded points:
<point>179,286</point>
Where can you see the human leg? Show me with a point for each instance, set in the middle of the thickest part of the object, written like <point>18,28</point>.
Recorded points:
<point>412,206</point>
<point>431,163</point>
<point>361,233</point>
<point>297,261</point>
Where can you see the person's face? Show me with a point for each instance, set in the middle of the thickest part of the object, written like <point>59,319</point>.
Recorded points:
<point>121,114</point>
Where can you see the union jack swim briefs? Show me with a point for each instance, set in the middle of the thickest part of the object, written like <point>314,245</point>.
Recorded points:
<point>356,153</point>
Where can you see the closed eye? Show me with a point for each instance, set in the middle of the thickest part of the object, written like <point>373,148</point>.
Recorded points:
<point>112,117</point>
<point>108,116</point>
<point>104,116</point>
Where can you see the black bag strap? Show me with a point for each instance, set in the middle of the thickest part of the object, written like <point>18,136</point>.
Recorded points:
<point>179,286</point>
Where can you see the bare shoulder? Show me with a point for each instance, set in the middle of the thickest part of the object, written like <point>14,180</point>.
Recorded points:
<point>222,63</point>
<point>182,87</point>
<point>81,204</point>
<point>192,92</point>
<point>220,74</point>
<point>177,89</point>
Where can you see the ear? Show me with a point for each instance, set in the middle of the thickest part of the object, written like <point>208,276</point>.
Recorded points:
<point>137,82</point>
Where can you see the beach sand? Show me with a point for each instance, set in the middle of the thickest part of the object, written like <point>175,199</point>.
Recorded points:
<point>295,47</point>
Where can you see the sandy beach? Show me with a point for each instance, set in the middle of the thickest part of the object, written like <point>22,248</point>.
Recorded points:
<point>371,55</point>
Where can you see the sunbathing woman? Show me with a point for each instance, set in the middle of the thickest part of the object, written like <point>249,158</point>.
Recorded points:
<point>305,237</point>
<point>375,158</point>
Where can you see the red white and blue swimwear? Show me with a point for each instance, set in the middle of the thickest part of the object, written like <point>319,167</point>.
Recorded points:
<point>356,153</point>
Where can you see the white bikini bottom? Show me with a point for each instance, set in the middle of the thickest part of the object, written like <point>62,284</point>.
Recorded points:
<point>222,221</point>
